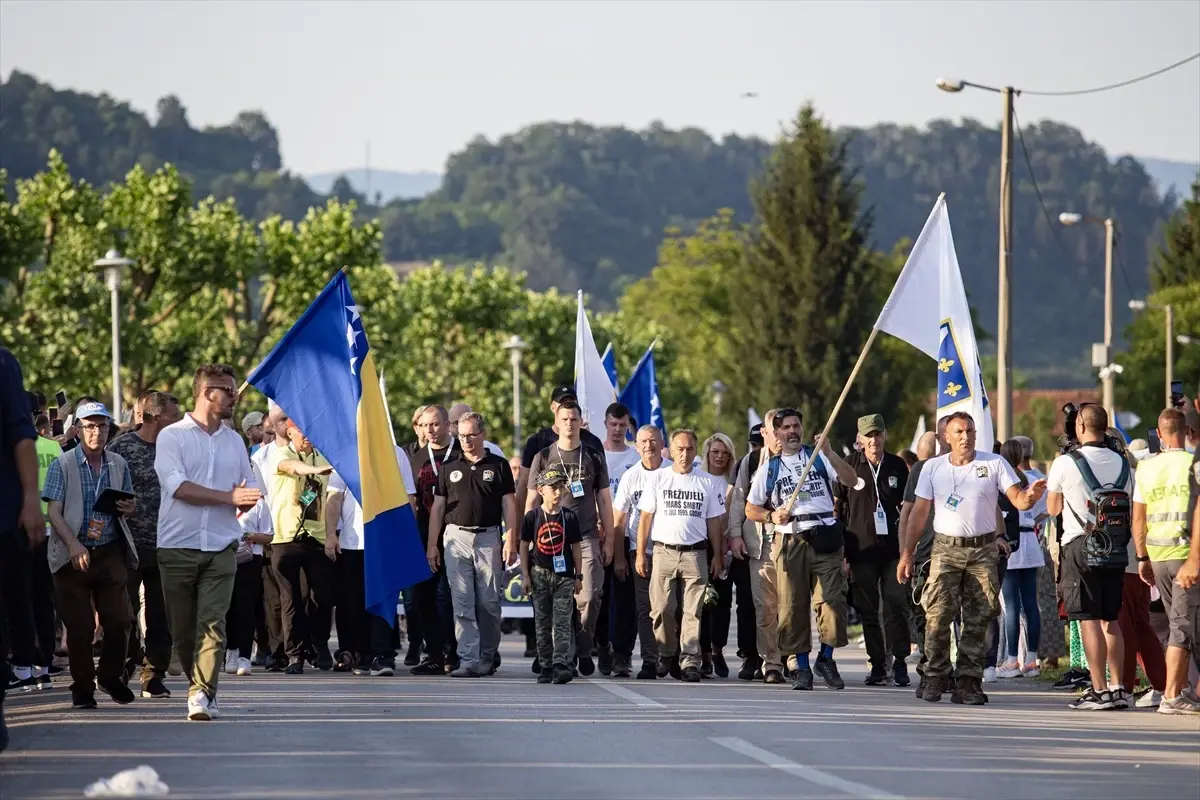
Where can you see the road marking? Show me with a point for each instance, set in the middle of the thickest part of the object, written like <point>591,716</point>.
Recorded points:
<point>627,694</point>
<point>810,774</point>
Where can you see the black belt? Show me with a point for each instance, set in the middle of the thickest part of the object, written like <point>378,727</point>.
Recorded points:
<point>967,541</point>
<point>475,528</point>
<point>1030,529</point>
<point>683,548</point>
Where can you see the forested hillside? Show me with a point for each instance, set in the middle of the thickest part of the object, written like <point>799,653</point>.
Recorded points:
<point>579,206</point>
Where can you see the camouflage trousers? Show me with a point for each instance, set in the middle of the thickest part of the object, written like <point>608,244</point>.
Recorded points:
<point>959,578</point>
<point>553,617</point>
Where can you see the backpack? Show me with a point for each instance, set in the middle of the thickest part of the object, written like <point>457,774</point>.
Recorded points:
<point>1109,513</point>
<point>773,472</point>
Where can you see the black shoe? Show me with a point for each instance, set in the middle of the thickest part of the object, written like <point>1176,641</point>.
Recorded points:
<point>691,675</point>
<point>672,668</point>
<point>648,672</point>
<point>118,691</point>
<point>413,656</point>
<point>968,691</point>
<point>900,673</point>
<point>495,663</point>
<point>749,666</point>
<point>452,665</point>
<point>774,676</point>
<point>537,666</point>
<point>827,669</point>
<point>428,667</point>
<point>878,677</point>
<point>276,665</point>
<point>54,671</point>
<point>802,679</point>
<point>586,666</point>
<point>621,666</point>
<point>1073,680</point>
<point>758,675</point>
<point>604,661</point>
<point>719,665</point>
<point>663,668</point>
<point>155,689</point>
<point>935,687</point>
<point>382,668</point>
<point>324,661</point>
<point>294,667</point>
<point>563,674</point>
<point>706,665</point>
<point>530,652</point>
<point>344,662</point>
<point>922,684</point>
<point>83,700</point>
<point>545,676</point>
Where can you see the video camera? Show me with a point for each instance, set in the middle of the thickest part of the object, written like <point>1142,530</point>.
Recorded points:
<point>1069,442</point>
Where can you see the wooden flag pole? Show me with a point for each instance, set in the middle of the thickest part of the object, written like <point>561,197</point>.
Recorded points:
<point>832,418</point>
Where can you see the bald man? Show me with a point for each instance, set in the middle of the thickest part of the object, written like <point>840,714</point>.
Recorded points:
<point>456,412</point>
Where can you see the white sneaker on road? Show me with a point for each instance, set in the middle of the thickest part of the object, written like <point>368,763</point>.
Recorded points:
<point>989,675</point>
<point>198,708</point>
<point>1151,698</point>
<point>1009,669</point>
<point>231,662</point>
<point>244,667</point>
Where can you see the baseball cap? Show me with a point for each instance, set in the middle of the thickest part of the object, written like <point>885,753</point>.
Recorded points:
<point>561,393</point>
<point>87,410</point>
<point>756,436</point>
<point>551,476</point>
<point>250,420</point>
<point>871,423</point>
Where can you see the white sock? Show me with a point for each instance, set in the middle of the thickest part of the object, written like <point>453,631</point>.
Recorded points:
<point>1031,657</point>
<point>1113,687</point>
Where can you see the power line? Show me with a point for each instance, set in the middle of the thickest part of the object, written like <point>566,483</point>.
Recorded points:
<point>1112,86</point>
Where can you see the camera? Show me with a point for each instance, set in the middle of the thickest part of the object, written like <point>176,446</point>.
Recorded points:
<point>1069,441</point>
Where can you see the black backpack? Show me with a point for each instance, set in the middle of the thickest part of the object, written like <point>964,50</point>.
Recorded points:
<point>1108,525</point>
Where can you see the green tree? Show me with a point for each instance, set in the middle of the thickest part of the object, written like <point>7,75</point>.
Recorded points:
<point>1178,260</point>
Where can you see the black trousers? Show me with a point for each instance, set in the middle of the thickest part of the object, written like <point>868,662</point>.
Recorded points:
<point>747,625</point>
<point>304,623</point>
<point>412,622</point>
<point>425,602</point>
<point>239,621</point>
<point>359,632</point>
<point>715,619</point>
<point>17,565</point>
<point>878,594</point>
<point>155,652</point>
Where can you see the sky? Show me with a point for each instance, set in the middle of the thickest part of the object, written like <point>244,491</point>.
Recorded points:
<point>418,80</point>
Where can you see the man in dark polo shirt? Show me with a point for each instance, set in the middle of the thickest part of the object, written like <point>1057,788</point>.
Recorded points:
<point>873,549</point>
<point>473,497</point>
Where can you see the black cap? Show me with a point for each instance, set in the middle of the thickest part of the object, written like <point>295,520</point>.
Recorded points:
<point>756,436</point>
<point>561,393</point>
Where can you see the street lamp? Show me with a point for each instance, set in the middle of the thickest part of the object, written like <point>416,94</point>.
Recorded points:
<point>1142,305</point>
<point>112,264</point>
<point>718,389</point>
<point>1184,338</point>
<point>514,346</point>
<point>1004,307</point>
<point>1069,219</point>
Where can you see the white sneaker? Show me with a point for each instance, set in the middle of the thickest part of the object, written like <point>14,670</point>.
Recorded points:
<point>231,662</point>
<point>989,675</point>
<point>1149,699</point>
<point>915,656</point>
<point>1009,669</point>
<point>214,711</point>
<point>1031,670</point>
<point>243,666</point>
<point>198,708</point>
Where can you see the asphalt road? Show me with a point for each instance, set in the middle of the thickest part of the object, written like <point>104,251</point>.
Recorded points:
<point>326,735</point>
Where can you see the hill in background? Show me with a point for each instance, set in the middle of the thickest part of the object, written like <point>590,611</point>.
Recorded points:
<point>380,185</point>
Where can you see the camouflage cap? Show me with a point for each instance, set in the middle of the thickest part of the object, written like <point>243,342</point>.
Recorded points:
<point>551,476</point>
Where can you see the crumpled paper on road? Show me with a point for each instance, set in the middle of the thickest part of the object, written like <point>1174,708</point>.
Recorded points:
<point>140,782</point>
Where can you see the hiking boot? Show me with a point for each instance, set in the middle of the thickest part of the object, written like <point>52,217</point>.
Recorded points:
<point>648,672</point>
<point>900,673</point>
<point>563,674</point>
<point>537,665</point>
<point>774,676</point>
<point>922,685</point>
<point>878,677</point>
<point>344,661</point>
<point>691,675</point>
<point>827,669</point>
<point>935,687</point>
<point>604,660</point>
<point>545,676</point>
<point>749,666</point>
<point>802,679</point>
<point>968,691</point>
<point>719,665</point>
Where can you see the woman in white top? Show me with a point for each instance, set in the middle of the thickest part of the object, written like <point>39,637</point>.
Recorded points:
<point>719,459</point>
<point>1021,582</point>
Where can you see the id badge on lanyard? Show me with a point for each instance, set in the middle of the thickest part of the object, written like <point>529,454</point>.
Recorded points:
<point>95,529</point>
<point>576,488</point>
<point>881,526</point>
<point>560,564</point>
<point>952,501</point>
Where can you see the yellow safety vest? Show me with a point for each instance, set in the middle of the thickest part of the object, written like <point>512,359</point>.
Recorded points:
<point>1162,483</point>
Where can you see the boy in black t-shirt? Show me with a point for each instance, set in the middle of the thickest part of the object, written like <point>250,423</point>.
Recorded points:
<point>551,576</point>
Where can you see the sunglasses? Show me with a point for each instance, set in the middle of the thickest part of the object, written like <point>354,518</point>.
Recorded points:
<point>225,390</point>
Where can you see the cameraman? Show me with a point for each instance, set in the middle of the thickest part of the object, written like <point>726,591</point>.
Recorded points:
<point>297,498</point>
<point>1091,594</point>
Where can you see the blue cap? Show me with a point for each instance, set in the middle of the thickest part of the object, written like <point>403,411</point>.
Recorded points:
<point>92,410</point>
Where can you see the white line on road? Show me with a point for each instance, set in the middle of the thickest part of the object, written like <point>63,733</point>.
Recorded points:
<point>627,694</point>
<point>742,747</point>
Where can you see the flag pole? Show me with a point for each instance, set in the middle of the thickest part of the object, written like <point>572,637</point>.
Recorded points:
<point>832,418</point>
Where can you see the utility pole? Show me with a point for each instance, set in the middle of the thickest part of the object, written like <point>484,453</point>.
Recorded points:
<point>1170,352</point>
<point>1004,307</point>
<point>1109,378</point>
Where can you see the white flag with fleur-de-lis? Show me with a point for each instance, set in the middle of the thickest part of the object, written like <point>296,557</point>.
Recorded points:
<point>943,331</point>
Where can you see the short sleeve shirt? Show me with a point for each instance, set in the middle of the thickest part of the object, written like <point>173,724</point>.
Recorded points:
<point>588,466</point>
<point>965,497</point>
<point>475,491</point>
<point>139,456</point>
<point>815,503</point>
<point>1066,479</point>
<point>617,464</point>
<point>682,504</point>
<point>551,535</point>
<point>925,543</point>
<point>629,493</point>
<point>289,513</point>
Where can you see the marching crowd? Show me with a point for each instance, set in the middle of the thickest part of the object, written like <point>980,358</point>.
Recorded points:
<point>174,545</point>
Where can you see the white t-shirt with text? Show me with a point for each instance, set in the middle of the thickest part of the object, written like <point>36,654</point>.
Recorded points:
<point>814,497</point>
<point>618,463</point>
<point>1066,479</point>
<point>629,493</point>
<point>681,504</point>
<point>965,498</point>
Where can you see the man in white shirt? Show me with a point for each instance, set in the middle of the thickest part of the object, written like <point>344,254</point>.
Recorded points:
<point>681,510</point>
<point>1091,594</point>
<point>364,640</point>
<point>631,592</point>
<point>808,562</point>
<point>205,475</point>
<point>264,460</point>
<point>620,457</point>
<point>962,490</point>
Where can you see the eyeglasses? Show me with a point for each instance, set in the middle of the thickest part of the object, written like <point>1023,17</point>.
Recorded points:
<point>91,426</point>
<point>225,390</point>
<point>471,436</point>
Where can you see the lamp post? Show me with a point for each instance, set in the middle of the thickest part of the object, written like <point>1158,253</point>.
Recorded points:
<point>718,389</point>
<point>112,264</point>
<point>515,345</point>
<point>1169,333</point>
<point>1110,228</point>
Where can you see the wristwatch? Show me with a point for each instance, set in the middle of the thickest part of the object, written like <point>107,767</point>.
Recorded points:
<point>1143,559</point>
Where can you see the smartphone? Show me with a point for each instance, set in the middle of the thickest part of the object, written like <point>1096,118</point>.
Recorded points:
<point>56,427</point>
<point>60,397</point>
<point>1155,442</point>
<point>52,412</point>
<point>1176,393</point>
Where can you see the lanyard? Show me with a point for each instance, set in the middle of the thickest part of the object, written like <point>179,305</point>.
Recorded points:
<point>563,464</point>
<point>875,475</point>
<point>433,461</point>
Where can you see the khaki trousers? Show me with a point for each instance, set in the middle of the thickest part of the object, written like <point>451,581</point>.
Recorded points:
<point>198,587</point>
<point>763,588</point>
<point>587,599</point>
<point>691,568</point>
<point>809,582</point>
